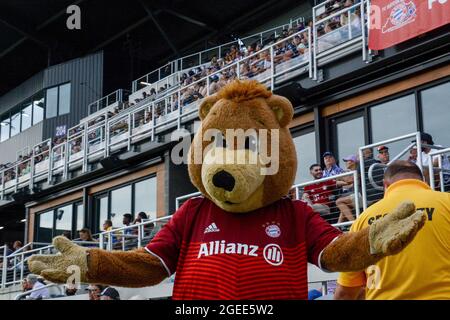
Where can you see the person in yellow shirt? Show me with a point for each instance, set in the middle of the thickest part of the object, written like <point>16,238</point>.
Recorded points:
<point>422,269</point>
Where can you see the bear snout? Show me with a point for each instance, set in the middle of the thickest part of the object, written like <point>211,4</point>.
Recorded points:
<point>224,180</point>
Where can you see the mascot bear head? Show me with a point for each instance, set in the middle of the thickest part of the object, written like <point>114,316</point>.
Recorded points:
<point>243,156</point>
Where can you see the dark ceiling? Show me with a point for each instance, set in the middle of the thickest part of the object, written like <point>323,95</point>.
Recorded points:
<point>143,33</point>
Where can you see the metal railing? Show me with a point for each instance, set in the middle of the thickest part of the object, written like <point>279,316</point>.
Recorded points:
<point>350,33</point>
<point>15,269</point>
<point>442,169</point>
<point>120,95</point>
<point>205,56</point>
<point>133,236</point>
<point>371,172</point>
<point>111,133</point>
<point>50,285</point>
<point>333,202</point>
<point>330,211</point>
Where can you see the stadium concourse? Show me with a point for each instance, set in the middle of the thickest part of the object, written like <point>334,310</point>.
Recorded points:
<point>85,138</point>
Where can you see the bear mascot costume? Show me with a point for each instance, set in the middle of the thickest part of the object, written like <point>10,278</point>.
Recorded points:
<point>244,238</point>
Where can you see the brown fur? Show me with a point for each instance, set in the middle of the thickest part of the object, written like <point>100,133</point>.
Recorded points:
<point>132,269</point>
<point>249,105</point>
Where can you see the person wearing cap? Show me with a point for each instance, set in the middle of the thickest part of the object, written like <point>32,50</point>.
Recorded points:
<point>33,283</point>
<point>422,270</point>
<point>109,294</point>
<point>346,203</point>
<point>331,168</point>
<point>383,154</point>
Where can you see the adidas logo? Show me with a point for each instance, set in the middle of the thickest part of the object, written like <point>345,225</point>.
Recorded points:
<point>212,228</point>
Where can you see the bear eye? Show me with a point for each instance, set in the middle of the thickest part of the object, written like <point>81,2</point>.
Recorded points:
<point>250,143</point>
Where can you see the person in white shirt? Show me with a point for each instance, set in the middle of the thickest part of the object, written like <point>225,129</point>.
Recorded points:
<point>426,138</point>
<point>32,284</point>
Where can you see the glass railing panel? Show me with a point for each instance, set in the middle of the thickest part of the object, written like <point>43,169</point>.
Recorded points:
<point>96,139</point>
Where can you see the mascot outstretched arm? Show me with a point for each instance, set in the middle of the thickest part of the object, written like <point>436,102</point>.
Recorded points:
<point>243,239</point>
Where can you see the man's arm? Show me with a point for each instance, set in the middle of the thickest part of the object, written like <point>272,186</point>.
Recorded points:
<point>349,293</point>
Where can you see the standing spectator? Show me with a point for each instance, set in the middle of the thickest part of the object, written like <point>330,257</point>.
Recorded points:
<point>331,168</point>
<point>94,291</point>
<point>318,195</point>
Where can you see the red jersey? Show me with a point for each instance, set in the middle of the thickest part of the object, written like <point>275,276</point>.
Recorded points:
<point>321,192</point>
<point>261,254</point>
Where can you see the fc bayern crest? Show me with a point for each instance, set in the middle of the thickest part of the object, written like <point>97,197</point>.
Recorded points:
<point>273,231</point>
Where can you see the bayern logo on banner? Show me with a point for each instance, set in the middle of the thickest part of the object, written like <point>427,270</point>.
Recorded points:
<point>395,21</point>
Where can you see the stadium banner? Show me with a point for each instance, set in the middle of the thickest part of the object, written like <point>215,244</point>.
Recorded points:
<point>395,21</point>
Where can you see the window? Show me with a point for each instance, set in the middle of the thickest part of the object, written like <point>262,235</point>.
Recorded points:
<point>63,219</point>
<point>102,209</point>
<point>120,204</point>
<point>80,216</point>
<point>145,197</point>
<point>132,198</point>
<point>45,227</point>
<point>436,113</point>
<point>51,103</point>
<point>350,136</point>
<point>15,124</point>
<point>57,221</point>
<point>27,115</point>
<point>305,146</point>
<point>392,119</point>
<point>64,99</point>
<point>38,108</point>
<point>4,128</point>
<point>57,101</point>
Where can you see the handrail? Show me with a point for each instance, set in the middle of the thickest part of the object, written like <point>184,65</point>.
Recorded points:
<point>441,170</point>
<point>34,290</point>
<point>415,135</point>
<point>179,60</point>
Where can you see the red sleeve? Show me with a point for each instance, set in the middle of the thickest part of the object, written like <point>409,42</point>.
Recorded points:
<point>167,242</point>
<point>319,234</point>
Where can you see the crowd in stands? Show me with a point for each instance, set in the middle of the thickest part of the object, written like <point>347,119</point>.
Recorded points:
<point>336,197</point>
<point>330,32</point>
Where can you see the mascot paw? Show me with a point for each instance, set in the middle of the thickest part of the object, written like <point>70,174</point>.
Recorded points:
<point>58,268</point>
<point>395,231</point>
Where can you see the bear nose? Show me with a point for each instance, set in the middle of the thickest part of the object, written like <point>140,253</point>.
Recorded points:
<point>223,179</point>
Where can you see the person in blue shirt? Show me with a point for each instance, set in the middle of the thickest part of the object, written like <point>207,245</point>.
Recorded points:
<point>331,168</point>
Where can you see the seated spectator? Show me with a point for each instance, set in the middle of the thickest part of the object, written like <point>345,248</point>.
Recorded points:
<point>94,291</point>
<point>71,290</point>
<point>67,234</point>
<point>17,245</point>
<point>346,203</point>
<point>318,195</point>
<point>331,168</point>
<point>383,154</point>
<point>109,294</point>
<point>108,226</point>
<point>141,216</point>
<point>33,283</point>
<point>86,235</point>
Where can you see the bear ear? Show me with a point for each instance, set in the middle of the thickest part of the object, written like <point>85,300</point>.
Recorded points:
<point>282,108</point>
<point>206,105</point>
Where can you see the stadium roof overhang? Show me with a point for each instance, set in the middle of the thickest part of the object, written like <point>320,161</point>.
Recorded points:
<point>34,33</point>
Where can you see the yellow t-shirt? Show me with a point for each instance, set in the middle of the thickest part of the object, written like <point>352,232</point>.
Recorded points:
<point>422,269</point>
